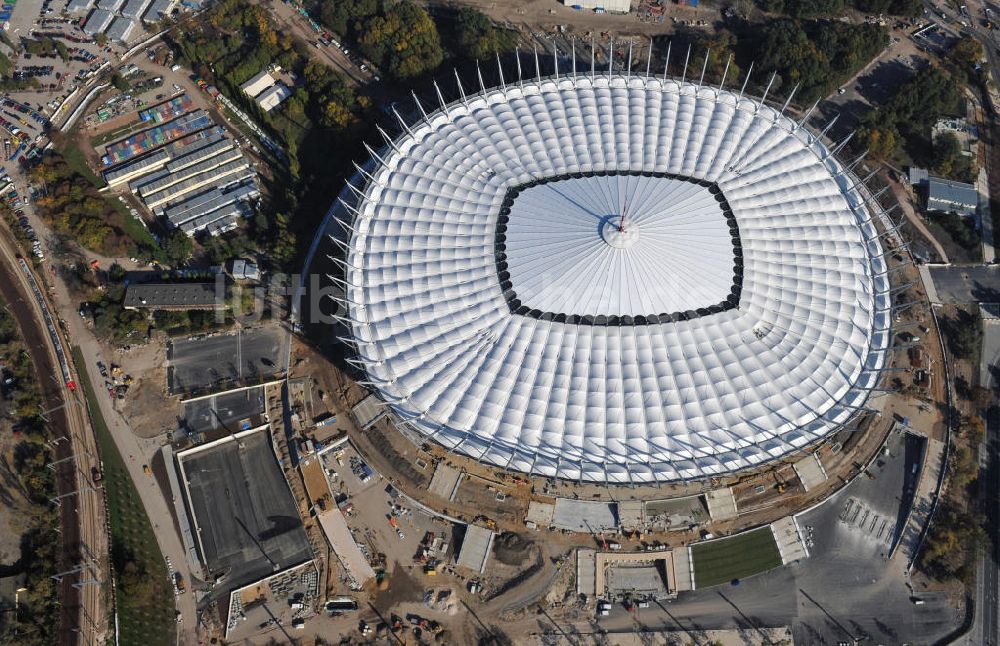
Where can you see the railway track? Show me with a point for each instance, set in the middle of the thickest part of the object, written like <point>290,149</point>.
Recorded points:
<point>83,552</point>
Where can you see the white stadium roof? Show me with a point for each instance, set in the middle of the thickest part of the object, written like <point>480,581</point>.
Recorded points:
<point>613,278</point>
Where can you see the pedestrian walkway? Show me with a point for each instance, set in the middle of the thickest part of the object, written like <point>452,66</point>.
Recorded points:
<point>923,499</point>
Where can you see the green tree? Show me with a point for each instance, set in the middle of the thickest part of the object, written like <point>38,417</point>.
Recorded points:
<point>119,82</point>
<point>478,37</point>
<point>177,247</point>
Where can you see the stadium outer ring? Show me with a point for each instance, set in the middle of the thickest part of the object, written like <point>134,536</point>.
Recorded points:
<point>859,203</point>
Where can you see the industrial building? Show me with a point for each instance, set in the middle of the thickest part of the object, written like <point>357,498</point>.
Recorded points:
<point>272,97</point>
<point>134,8</point>
<point>78,6</point>
<point>110,5</point>
<point>185,170</point>
<point>158,10</point>
<point>97,22</point>
<point>258,83</point>
<point>120,29</point>
<point>949,196</point>
<point>173,296</point>
<point>610,6</point>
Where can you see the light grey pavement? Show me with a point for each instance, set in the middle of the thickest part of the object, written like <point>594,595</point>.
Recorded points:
<point>846,590</point>
<point>966,284</point>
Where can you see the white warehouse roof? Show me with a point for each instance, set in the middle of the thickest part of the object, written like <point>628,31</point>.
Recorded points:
<point>616,279</point>
<point>272,97</point>
<point>258,83</point>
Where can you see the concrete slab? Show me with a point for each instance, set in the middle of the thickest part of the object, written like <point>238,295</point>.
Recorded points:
<point>342,541</point>
<point>540,513</point>
<point>445,481</point>
<point>585,571</point>
<point>790,544</point>
<point>476,548</point>
<point>721,504</point>
<point>682,569</point>
<point>368,411</point>
<point>234,410</point>
<point>585,516</point>
<point>676,513</point>
<point>810,471</point>
<point>966,284</point>
<point>631,515</point>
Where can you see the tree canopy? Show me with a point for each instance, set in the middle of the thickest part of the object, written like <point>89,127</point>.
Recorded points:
<point>816,56</point>
<point>478,37</point>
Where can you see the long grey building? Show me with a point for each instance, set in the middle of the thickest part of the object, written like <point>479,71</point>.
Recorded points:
<point>135,8</point>
<point>78,6</point>
<point>97,22</point>
<point>948,196</point>
<point>120,29</point>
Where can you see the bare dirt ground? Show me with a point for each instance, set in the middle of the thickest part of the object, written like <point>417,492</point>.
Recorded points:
<point>147,407</point>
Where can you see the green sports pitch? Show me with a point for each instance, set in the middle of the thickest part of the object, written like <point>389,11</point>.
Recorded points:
<point>736,557</point>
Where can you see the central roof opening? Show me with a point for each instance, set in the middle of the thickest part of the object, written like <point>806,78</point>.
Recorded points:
<point>611,248</point>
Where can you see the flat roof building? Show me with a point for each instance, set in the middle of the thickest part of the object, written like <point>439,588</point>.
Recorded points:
<point>258,83</point>
<point>611,6</point>
<point>173,296</point>
<point>78,6</point>
<point>476,548</point>
<point>272,97</point>
<point>949,196</point>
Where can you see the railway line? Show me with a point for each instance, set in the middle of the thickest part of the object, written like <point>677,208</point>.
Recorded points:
<point>83,562</point>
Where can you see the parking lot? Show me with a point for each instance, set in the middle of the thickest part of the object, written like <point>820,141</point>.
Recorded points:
<point>200,363</point>
<point>978,284</point>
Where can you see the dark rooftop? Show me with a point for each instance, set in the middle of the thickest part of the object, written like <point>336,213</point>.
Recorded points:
<point>174,296</point>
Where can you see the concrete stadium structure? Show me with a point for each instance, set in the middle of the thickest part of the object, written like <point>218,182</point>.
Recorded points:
<point>614,277</point>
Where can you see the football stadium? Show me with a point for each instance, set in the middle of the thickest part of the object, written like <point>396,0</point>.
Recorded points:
<point>615,278</point>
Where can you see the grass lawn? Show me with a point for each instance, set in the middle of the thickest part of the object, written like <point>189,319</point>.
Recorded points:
<point>144,617</point>
<point>75,158</point>
<point>738,557</point>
